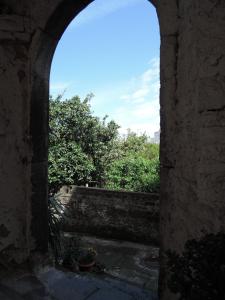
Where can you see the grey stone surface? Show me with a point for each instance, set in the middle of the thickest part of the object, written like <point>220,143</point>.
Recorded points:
<point>80,287</point>
<point>7,293</point>
<point>63,286</point>
<point>24,284</point>
<point>26,287</point>
<point>135,263</point>
<point>110,294</point>
<point>53,284</point>
<point>112,214</point>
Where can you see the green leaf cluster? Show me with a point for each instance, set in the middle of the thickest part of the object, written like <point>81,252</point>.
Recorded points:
<point>137,168</point>
<point>80,144</point>
<point>84,149</point>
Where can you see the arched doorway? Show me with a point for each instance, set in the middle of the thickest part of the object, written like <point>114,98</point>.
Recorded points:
<point>68,60</point>
<point>45,47</point>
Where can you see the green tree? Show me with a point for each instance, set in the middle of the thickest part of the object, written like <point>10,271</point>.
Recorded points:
<point>135,174</point>
<point>80,144</point>
<point>138,144</point>
<point>137,168</point>
<point>68,164</point>
<point>84,148</point>
<point>133,143</point>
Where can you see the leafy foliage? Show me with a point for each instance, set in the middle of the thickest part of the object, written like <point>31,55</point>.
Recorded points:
<point>137,168</point>
<point>132,143</point>
<point>55,218</point>
<point>80,144</point>
<point>134,174</point>
<point>71,252</point>
<point>68,164</point>
<point>84,148</point>
<point>199,273</point>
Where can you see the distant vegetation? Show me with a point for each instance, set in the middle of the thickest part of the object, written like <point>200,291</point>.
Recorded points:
<point>84,149</point>
<point>137,167</point>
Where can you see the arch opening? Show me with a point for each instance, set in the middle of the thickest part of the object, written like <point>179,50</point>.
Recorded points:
<point>39,114</point>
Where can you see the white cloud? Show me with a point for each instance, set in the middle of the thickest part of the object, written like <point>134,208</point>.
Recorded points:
<point>99,9</point>
<point>147,85</point>
<point>60,88</point>
<point>148,128</point>
<point>124,97</point>
<point>142,92</point>
<point>134,103</point>
<point>147,109</point>
<point>57,86</point>
<point>140,110</point>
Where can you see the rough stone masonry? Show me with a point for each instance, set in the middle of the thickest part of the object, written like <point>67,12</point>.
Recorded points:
<point>110,214</point>
<point>192,100</point>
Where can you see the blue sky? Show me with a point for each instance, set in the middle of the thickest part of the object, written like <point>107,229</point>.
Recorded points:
<point>112,50</point>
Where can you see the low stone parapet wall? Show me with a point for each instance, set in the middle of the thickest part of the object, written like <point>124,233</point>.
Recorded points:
<point>112,214</point>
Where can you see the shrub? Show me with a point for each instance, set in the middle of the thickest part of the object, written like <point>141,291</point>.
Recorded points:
<point>199,273</point>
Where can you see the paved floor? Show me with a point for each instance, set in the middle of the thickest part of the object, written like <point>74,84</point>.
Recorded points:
<point>136,263</point>
<point>131,273</point>
<point>91,288</point>
<point>53,284</point>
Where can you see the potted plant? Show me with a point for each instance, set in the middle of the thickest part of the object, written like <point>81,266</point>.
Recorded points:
<point>86,259</point>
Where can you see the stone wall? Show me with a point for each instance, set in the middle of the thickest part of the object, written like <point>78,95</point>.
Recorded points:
<point>192,124</point>
<point>112,214</point>
<point>192,113</point>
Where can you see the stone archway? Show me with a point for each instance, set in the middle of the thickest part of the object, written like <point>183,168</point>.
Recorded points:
<point>30,34</point>
<point>44,46</point>
<point>192,120</point>
<point>55,26</point>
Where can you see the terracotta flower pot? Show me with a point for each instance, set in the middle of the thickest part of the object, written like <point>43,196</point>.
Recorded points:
<point>86,267</point>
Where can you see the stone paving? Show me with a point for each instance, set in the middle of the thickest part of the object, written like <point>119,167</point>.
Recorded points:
<point>72,286</point>
<point>136,263</point>
<point>131,273</point>
<point>53,284</point>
